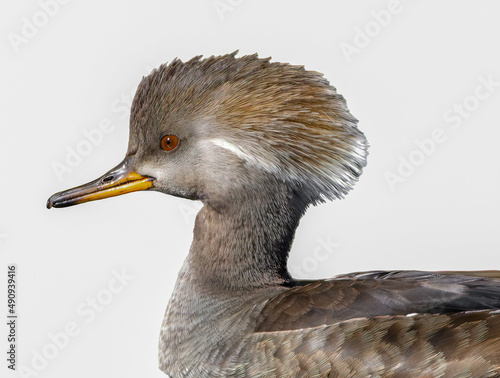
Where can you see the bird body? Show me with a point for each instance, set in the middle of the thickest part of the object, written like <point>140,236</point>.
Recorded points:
<point>258,142</point>
<point>319,330</point>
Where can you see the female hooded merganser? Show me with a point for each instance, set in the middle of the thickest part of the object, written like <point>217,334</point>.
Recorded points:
<point>258,142</point>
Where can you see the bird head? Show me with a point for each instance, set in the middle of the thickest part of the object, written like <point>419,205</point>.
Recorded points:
<point>211,129</point>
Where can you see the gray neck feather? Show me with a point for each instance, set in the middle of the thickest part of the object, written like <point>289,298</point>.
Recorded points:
<point>236,262</point>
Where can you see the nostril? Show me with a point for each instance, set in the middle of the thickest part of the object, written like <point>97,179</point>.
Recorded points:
<point>107,179</point>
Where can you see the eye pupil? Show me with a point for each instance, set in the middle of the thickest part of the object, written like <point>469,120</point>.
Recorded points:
<point>169,142</point>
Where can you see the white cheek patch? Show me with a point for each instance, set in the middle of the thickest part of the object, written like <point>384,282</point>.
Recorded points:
<point>243,155</point>
<point>233,148</point>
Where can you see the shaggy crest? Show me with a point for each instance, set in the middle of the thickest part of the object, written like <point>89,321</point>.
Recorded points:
<point>274,116</point>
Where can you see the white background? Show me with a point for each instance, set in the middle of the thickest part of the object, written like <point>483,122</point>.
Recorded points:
<point>82,66</point>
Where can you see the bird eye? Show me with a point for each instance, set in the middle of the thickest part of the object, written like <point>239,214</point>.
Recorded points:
<point>169,142</point>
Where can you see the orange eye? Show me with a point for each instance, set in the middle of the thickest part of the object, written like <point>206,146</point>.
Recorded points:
<point>169,142</point>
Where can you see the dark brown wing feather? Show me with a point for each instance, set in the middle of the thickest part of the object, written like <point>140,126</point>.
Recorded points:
<point>398,324</point>
<point>370,294</point>
<point>379,324</point>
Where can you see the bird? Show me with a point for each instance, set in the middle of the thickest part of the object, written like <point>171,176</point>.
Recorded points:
<point>258,142</point>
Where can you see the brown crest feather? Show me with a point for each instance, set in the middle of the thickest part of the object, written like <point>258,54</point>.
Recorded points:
<point>289,119</point>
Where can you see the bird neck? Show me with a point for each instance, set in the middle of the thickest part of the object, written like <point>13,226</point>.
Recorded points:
<point>243,242</point>
<point>237,261</point>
